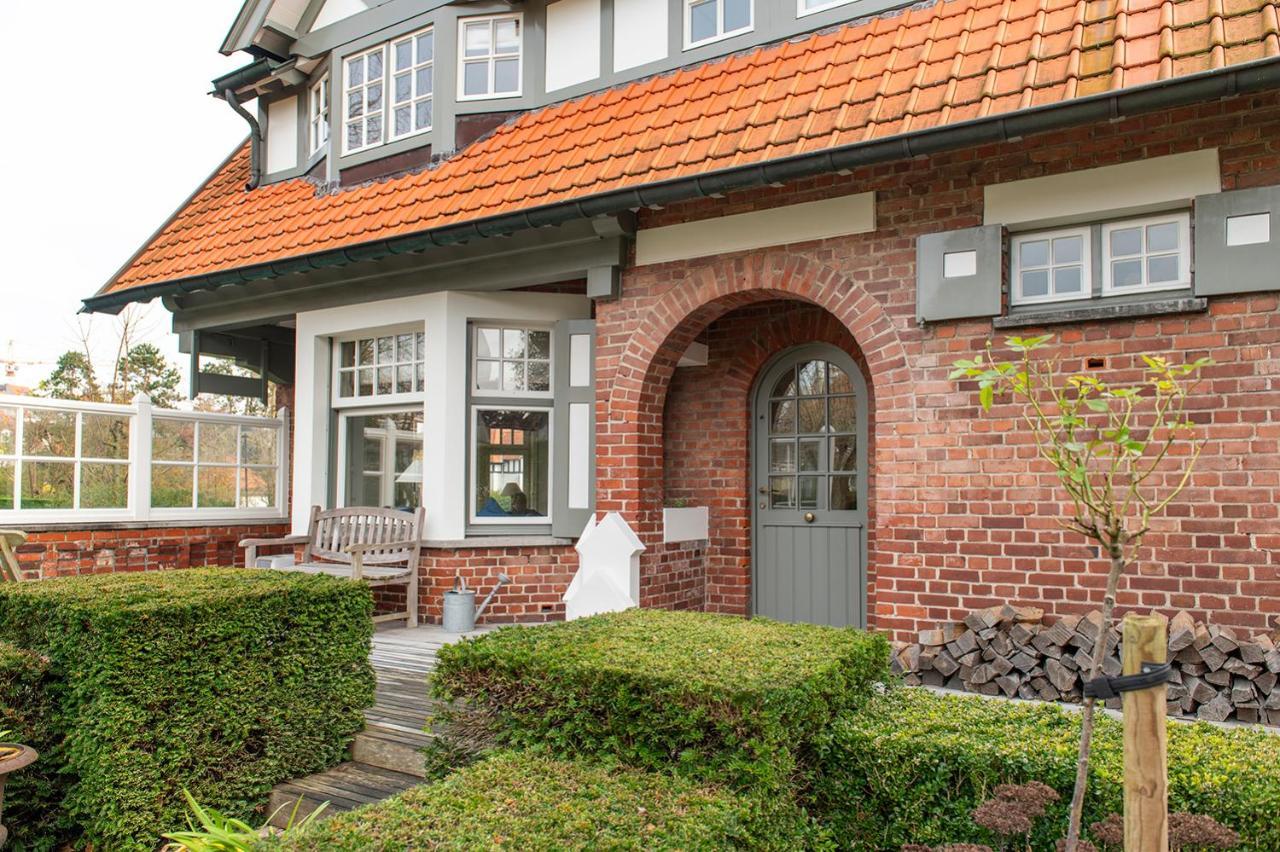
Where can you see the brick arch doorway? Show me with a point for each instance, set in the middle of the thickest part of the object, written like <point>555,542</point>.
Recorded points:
<point>808,476</point>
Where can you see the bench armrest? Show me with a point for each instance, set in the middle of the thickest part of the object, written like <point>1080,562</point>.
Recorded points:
<point>266,542</point>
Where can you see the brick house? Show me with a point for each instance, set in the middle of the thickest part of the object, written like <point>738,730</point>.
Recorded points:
<point>562,258</point>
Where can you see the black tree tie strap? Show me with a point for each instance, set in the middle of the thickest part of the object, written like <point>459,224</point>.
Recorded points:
<point>1152,675</point>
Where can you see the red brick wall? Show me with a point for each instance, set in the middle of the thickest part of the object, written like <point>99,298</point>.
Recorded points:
<point>104,551</point>
<point>539,576</point>
<point>963,510</point>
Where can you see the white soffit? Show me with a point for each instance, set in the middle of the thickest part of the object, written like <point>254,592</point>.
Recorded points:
<point>287,13</point>
<point>573,42</point>
<point>335,10</point>
<point>795,223</point>
<point>639,32</point>
<point>1126,188</point>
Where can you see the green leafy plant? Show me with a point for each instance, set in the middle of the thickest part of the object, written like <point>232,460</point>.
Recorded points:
<point>527,801</point>
<point>225,682</point>
<point>719,697</point>
<point>1111,446</point>
<point>209,830</point>
<point>910,766</point>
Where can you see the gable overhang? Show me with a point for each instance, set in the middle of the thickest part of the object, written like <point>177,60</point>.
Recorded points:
<point>1258,75</point>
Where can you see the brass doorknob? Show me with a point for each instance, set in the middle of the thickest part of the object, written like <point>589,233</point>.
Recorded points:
<point>808,517</point>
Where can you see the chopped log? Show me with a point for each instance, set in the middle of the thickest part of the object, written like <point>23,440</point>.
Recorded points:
<point>1009,684</point>
<point>1023,662</point>
<point>1216,710</point>
<point>1047,645</point>
<point>981,675</point>
<point>1239,667</point>
<point>988,688</point>
<point>1182,631</point>
<point>962,644</point>
<point>983,618</point>
<point>970,659</point>
<point>1022,633</point>
<point>1089,627</point>
<point>1060,676</point>
<point>1273,701</point>
<point>931,638</point>
<point>909,658</point>
<point>1200,692</point>
<point>1223,638</point>
<point>1266,682</point>
<point>1056,634</point>
<point>952,629</point>
<point>1252,652</point>
<point>1221,677</point>
<point>945,663</point>
<point>1272,662</point>
<point>932,678</point>
<point>1084,660</point>
<point>927,656</point>
<point>1248,715</point>
<point>1023,614</point>
<point>1048,693</point>
<point>1001,666</point>
<point>1001,644</point>
<point>1193,668</point>
<point>1213,656</point>
<point>912,680</point>
<point>1111,666</point>
<point>1028,692</point>
<point>1189,656</point>
<point>1202,636</point>
<point>1242,691</point>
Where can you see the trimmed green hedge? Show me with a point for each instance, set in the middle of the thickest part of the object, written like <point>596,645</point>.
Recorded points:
<point>529,802</point>
<point>911,765</point>
<point>24,712</point>
<point>221,681</point>
<point>717,696</point>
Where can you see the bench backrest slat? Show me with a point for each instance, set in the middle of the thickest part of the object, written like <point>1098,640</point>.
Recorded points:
<point>333,530</point>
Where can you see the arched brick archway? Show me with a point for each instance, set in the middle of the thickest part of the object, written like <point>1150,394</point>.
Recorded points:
<point>653,334</point>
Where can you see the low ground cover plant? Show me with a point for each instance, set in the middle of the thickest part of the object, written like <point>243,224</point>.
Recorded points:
<point>224,682</point>
<point>911,767</point>
<point>530,802</point>
<point>718,697</point>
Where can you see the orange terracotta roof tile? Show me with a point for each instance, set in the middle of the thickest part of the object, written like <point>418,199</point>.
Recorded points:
<point>924,67</point>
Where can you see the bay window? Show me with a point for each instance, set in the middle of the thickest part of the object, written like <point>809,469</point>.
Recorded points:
<point>489,57</point>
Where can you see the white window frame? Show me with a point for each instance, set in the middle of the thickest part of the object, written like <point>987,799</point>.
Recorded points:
<point>720,35</point>
<point>363,87</point>
<point>415,97</point>
<point>195,464</point>
<point>344,418</point>
<point>1183,220</point>
<point>337,401</point>
<point>1015,268</point>
<point>490,59</point>
<point>801,11</point>
<point>475,327</point>
<point>539,521</point>
<point>318,115</point>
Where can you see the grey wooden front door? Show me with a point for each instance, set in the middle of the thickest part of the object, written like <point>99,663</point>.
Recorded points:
<point>809,490</point>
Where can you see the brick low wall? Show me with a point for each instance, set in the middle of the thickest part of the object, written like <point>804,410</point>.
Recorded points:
<point>64,553</point>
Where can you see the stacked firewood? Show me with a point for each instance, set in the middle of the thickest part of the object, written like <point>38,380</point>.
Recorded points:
<point>1219,674</point>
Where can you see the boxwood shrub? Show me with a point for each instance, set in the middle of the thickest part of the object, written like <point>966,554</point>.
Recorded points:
<point>722,697</point>
<point>911,765</point>
<point>523,801</point>
<point>221,681</point>
<point>24,713</point>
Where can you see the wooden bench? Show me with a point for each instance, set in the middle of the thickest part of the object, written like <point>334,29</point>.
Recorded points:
<point>379,546</point>
<point>10,541</point>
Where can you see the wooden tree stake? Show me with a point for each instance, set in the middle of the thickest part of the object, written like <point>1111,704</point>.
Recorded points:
<point>1146,793</point>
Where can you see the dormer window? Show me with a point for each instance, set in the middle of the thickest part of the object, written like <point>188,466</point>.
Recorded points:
<point>706,21</point>
<point>318,114</point>
<point>489,56</point>
<point>411,83</point>
<point>363,98</point>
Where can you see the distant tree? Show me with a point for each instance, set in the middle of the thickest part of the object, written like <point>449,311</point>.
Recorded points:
<point>73,377</point>
<point>144,369</point>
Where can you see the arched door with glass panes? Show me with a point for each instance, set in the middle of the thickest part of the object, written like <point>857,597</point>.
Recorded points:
<point>809,489</point>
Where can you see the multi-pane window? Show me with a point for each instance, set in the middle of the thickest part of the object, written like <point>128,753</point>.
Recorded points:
<point>380,455</point>
<point>710,20</point>
<point>1051,266</point>
<point>57,459</point>
<point>411,83</point>
<point>511,474</point>
<point>379,365</point>
<point>489,57</point>
<point>813,424</point>
<point>318,114</point>
<point>202,464</point>
<point>1146,254</point>
<point>807,7</point>
<point>511,361</point>
<point>364,90</point>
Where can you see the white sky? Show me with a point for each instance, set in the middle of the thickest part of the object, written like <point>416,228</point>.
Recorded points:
<point>118,133</point>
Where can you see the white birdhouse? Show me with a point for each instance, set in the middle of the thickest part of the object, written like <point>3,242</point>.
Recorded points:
<point>608,578</point>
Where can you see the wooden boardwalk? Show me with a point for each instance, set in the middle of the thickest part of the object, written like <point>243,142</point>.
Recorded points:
<point>386,758</point>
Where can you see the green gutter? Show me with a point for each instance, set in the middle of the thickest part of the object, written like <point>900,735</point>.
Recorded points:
<point>1255,76</point>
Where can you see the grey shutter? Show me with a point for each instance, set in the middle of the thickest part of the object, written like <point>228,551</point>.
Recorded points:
<point>574,438</point>
<point>1245,263</point>
<point>978,253</point>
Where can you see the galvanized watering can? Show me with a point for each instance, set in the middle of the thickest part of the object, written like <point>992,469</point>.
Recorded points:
<point>460,611</point>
